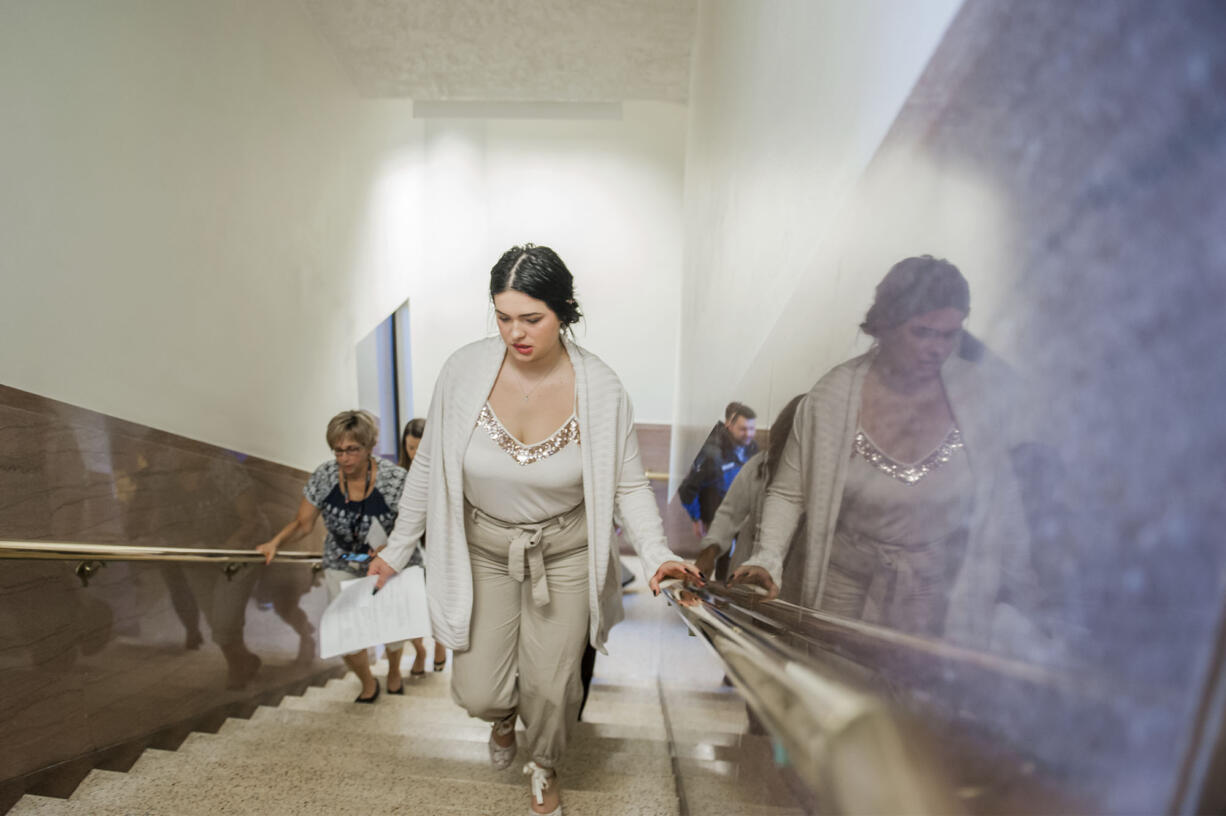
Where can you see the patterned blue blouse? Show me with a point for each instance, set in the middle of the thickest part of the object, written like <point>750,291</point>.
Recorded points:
<point>348,522</point>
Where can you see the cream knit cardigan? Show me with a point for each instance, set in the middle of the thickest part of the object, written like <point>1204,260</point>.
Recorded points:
<point>986,401</point>
<point>739,513</point>
<point>615,489</point>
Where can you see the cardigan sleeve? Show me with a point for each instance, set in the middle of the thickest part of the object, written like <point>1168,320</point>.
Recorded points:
<point>634,505</point>
<point>735,508</point>
<point>784,504</point>
<point>411,513</point>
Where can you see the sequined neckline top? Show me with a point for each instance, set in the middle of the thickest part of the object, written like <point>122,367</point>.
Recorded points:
<point>527,454</point>
<point>907,474</point>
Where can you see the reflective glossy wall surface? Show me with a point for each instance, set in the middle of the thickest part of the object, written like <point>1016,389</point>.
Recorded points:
<point>144,645</point>
<point>1070,159</point>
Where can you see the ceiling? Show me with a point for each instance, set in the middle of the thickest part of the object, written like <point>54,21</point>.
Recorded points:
<point>512,50</point>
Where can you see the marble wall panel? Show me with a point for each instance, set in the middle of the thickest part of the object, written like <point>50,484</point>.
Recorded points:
<point>145,645</point>
<point>654,440</point>
<point>42,705</point>
<point>1072,156</point>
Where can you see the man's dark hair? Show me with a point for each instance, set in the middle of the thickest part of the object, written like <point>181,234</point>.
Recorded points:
<point>738,409</point>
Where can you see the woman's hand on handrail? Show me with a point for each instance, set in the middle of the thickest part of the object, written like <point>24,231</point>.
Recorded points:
<point>707,558</point>
<point>382,569</point>
<point>303,523</point>
<point>746,574</point>
<point>676,569</point>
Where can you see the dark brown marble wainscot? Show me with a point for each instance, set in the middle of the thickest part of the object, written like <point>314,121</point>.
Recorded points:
<point>88,674</point>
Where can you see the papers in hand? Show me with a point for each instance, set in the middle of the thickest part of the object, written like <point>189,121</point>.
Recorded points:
<point>376,536</point>
<point>356,619</point>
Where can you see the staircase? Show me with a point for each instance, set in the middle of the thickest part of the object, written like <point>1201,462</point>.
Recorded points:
<point>421,754</point>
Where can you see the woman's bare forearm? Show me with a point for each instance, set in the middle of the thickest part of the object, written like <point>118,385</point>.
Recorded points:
<point>292,532</point>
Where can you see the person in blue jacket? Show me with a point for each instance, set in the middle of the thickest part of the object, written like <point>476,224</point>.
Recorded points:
<point>727,448</point>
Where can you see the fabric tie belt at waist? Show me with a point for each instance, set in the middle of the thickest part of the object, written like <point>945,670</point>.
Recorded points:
<point>525,546</point>
<point>895,572</point>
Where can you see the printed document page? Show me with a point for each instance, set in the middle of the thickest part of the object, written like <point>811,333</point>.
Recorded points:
<point>356,619</point>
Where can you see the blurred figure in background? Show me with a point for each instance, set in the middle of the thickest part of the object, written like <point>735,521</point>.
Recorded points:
<point>355,493</point>
<point>410,439</point>
<point>727,448</point>
<point>901,460</point>
<point>735,527</point>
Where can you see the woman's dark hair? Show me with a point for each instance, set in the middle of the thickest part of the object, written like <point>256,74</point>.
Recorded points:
<point>780,432</point>
<point>914,286</point>
<point>537,272</point>
<point>415,428</point>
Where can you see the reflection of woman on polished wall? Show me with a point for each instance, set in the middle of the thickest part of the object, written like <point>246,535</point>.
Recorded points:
<point>218,502</point>
<point>900,459</point>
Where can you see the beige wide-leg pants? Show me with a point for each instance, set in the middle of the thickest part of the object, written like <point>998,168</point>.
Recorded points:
<point>529,626</point>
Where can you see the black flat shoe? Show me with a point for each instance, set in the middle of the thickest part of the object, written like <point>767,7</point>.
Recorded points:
<point>439,665</point>
<point>375,696</point>
<point>397,691</point>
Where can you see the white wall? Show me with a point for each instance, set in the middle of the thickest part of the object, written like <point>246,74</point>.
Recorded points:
<point>201,219</point>
<point>605,194</point>
<point>789,102</point>
<point>183,188</point>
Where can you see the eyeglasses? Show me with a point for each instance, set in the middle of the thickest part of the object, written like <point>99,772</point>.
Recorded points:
<point>349,451</point>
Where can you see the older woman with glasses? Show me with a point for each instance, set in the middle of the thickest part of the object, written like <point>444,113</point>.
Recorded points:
<point>358,495</point>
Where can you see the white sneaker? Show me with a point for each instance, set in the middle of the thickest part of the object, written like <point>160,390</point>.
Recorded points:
<point>502,756</point>
<point>542,778</point>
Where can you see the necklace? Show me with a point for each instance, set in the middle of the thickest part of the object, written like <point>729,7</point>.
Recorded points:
<point>345,483</point>
<point>365,486</point>
<point>539,382</point>
<point>355,522</point>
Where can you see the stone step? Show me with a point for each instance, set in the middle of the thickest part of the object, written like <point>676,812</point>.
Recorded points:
<point>645,714</point>
<point>243,738</point>
<point>622,703</point>
<point>162,786</point>
<point>346,688</point>
<point>31,805</point>
<point>426,694</point>
<point>337,768</point>
<point>613,736</point>
<point>713,802</point>
<point>438,686</point>
<point>359,717</point>
<point>718,781</point>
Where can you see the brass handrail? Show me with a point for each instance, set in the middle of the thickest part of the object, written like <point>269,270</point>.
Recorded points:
<point>860,641</point>
<point>66,551</point>
<point>829,728</point>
